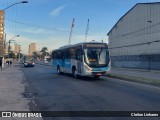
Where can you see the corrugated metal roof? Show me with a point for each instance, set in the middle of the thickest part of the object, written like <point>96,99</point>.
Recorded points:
<point>130,10</point>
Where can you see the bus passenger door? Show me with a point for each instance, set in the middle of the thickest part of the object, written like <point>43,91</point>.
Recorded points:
<point>79,60</point>
<point>63,60</point>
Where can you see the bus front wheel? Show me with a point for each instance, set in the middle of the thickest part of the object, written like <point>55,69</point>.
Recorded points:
<point>96,76</point>
<point>74,73</point>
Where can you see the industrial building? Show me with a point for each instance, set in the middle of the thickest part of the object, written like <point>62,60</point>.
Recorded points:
<point>134,41</point>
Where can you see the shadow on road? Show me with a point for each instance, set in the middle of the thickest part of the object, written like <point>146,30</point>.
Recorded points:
<point>84,78</point>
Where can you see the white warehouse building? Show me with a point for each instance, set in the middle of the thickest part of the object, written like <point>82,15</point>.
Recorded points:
<point>134,41</point>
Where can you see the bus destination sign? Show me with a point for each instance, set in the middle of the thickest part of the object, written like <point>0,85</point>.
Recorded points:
<point>95,45</point>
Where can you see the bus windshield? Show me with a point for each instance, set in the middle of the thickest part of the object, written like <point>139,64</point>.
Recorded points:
<point>95,57</point>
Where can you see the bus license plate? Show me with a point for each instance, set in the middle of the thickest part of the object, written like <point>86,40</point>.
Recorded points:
<point>98,74</point>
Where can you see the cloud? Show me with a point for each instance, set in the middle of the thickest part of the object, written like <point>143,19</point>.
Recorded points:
<point>81,38</point>
<point>35,31</point>
<point>57,11</point>
<point>23,41</point>
<point>52,41</point>
<point>63,30</point>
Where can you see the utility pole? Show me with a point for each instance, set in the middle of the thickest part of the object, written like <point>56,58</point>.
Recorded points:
<point>19,53</point>
<point>10,48</point>
<point>72,26</point>
<point>9,51</point>
<point>87,29</point>
<point>102,40</point>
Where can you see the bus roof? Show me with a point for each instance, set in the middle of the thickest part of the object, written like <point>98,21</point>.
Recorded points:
<point>74,45</point>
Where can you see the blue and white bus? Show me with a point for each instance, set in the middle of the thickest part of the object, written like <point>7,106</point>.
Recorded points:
<point>82,59</point>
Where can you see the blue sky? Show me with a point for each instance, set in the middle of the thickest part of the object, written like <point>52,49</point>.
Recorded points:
<point>48,22</point>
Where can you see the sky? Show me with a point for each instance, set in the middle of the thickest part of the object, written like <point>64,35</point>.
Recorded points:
<point>48,22</point>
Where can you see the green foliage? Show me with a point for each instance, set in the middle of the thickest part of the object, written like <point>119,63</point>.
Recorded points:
<point>44,52</point>
<point>12,55</point>
<point>35,55</point>
<point>21,55</point>
<point>44,49</point>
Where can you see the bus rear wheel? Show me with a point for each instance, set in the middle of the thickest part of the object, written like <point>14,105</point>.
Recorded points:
<point>58,70</point>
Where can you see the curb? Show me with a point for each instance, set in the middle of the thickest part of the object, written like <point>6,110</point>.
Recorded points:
<point>141,80</point>
<point>141,70</point>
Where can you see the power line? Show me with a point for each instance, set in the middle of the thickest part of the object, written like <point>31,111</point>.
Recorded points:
<point>36,26</point>
<point>48,28</point>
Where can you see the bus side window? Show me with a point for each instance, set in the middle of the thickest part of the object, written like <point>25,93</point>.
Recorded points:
<point>58,55</point>
<point>79,55</point>
<point>54,55</point>
<point>67,54</point>
<point>63,55</point>
<point>72,53</point>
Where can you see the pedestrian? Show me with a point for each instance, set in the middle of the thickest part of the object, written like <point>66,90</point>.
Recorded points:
<point>1,63</point>
<point>10,63</point>
<point>7,62</point>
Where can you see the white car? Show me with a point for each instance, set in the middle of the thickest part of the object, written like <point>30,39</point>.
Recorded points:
<point>45,61</point>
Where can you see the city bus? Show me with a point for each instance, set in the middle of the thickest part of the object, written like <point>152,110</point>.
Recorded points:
<point>82,59</point>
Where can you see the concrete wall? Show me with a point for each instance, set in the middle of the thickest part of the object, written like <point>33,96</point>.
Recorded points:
<point>134,41</point>
<point>147,62</point>
<point>137,32</point>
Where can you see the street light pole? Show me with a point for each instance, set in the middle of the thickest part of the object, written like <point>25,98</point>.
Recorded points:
<point>3,10</point>
<point>15,4</point>
<point>9,48</point>
<point>19,52</point>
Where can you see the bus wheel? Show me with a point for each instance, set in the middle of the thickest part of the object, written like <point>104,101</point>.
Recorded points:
<point>74,73</point>
<point>96,76</point>
<point>58,70</point>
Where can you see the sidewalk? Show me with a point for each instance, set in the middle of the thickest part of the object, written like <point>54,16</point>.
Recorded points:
<point>12,88</point>
<point>136,75</point>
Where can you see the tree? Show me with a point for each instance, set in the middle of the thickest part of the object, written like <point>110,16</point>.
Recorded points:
<point>12,55</point>
<point>44,51</point>
<point>21,55</point>
<point>35,55</point>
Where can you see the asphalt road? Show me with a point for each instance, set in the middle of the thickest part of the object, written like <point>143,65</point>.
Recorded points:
<point>49,91</point>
